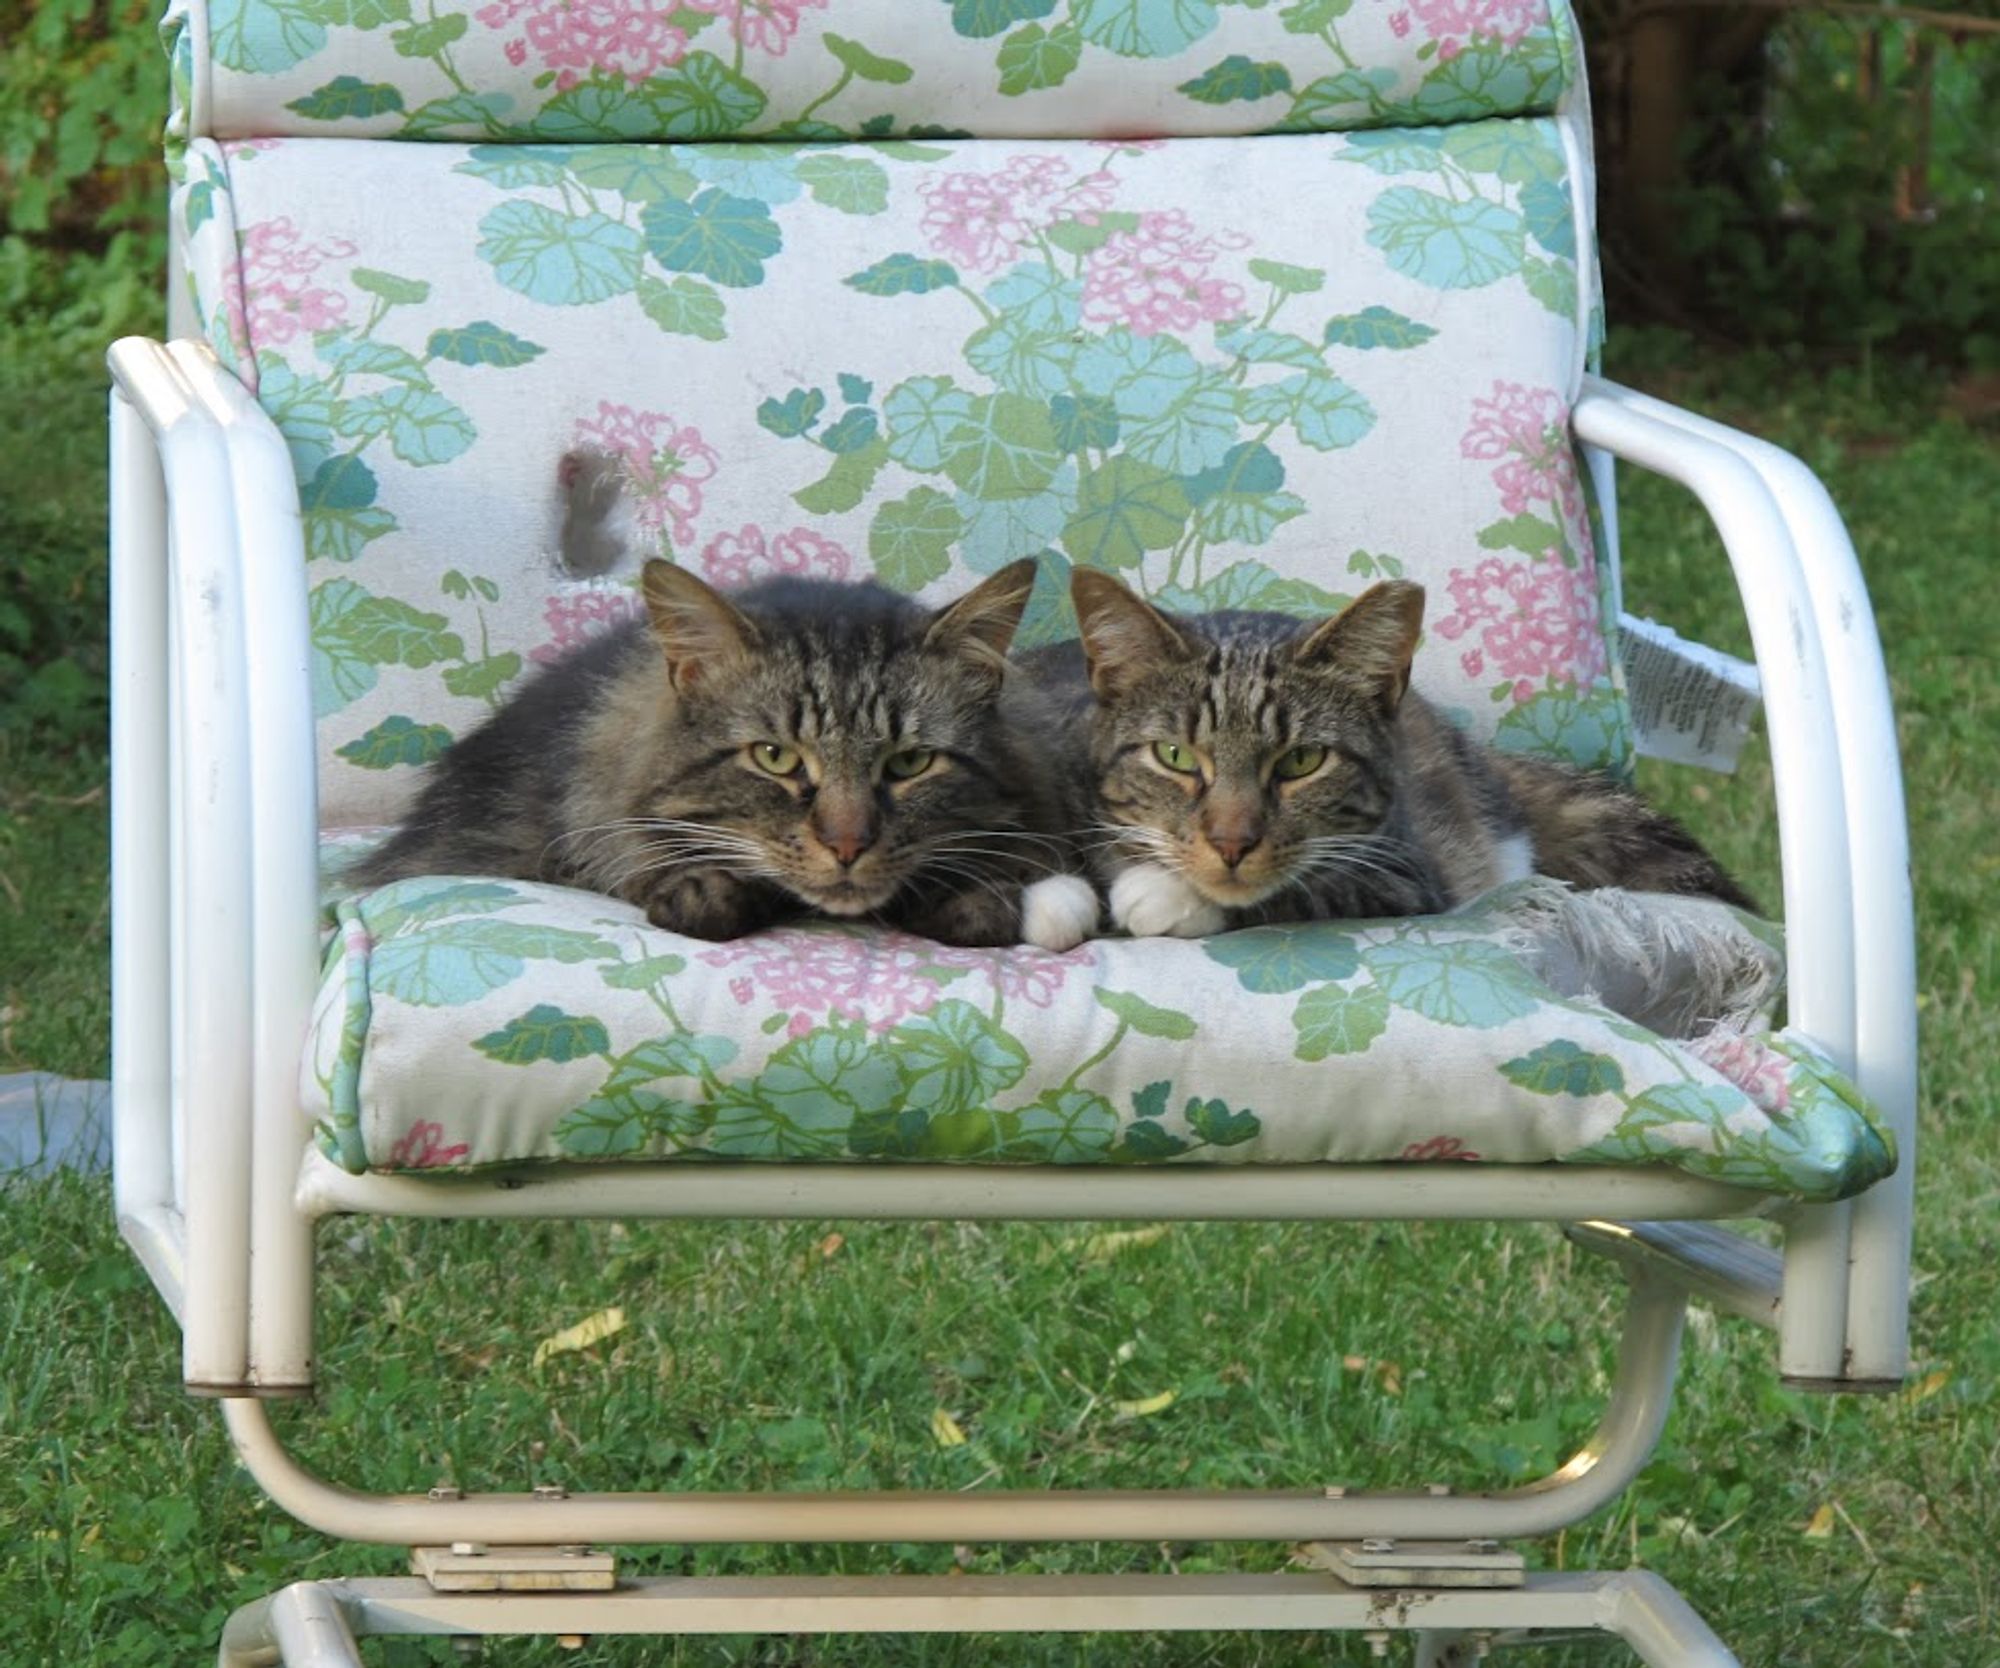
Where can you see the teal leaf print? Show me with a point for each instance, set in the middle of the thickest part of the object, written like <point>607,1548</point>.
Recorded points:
<point>1519,152</point>
<point>482,343</point>
<point>1488,76</point>
<point>1263,346</point>
<point>347,96</point>
<point>999,531</point>
<point>455,112</point>
<point>868,66</point>
<point>682,307</point>
<point>1465,982</point>
<point>1145,1142</point>
<point>1448,244</point>
<point>616,1126</point>
<point>1286,279</point>
<point>263,37</point>
<point>1333,1019</point>
<point>843,486</point>
<point>515,167</point>
<point>851,184</point>
<point>397,291</point>
<point>1251,585</point>
<point>1532,535</point>
<point>199,206</point>
<point>1034,58</point>
<point>339,509</point>
<point>904,1132</point>
<point>1324,411</point>
<point>1273,960</point>
<point>1124,509</point>
<point>544,1033</point>
<point>980,19</point>
<point>1238,80</point>
<point>393,907</point>
<point>1144,1018</point>
<point>396,741</point>
<point>429,38</point>
<point>303,410</point>
<point>714,236</point>
<point>853,389</point>
<point>1394,150</point>
<point>792,416</point>
<point>1561,1068</point>
<point>701,98</point>
<point>594,111</point>
<point>1238,501</point>
<point>904,275</point>
<point>683,1055</point>
<point>911,537</point>
<point>1143,376</point>
<point>922,413</point>
<point>1002,447</point>
<point>1151,1101</point>
<point>478,680</point>
<point>1377,327</point>
<point>1065,1126</point>
<point>1021,358</point>
<point>1588,728</point>
<point>1216,1124</point>
<point>422,425</point>
<point>1335,101</point>
<point>854,430</point>
<point>353,355</point>
<point>1083,423</point>
<point>954,1058</point>
<point>1545,211</point>
<point>1144,28</point>
<point>341,674</point>
<point>564,260</point>
<point>428,971</point>
<point>638,173</point>
<point>1194,433</point>
<point>807,1098</point>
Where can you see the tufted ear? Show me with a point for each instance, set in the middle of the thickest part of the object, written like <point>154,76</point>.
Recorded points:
<point>1124,636</point>
<point>700,631</point>
<point>1371,641</point>
<point>980,626</point>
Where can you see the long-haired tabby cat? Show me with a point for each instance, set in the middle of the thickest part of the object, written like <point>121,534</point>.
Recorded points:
<point>802,746</point>
<point>1251,768</point>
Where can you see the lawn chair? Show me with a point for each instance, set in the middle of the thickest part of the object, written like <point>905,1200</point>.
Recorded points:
<point>1253,303</point>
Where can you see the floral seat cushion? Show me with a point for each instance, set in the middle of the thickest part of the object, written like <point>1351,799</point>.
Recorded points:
<point>467,1022</point>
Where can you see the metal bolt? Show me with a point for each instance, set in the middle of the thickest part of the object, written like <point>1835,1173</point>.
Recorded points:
<point>468,1645</point>
<point>1336,1491</point>
<point>551,1491</point>
<point>468,1549</point>
<point>1482,1646</point>
<point>1437,1490</point>
<point>1378,1642</point>
<point>572,1641</point>
<point>446,1491</point>
<point>574,1550</point>
<point>1482,1547</point>
<point>1378,1543</point>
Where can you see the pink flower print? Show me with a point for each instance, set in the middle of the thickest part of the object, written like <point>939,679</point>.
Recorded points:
<point>877,979</point>
<point>279,299</point>
<point>1755,1069</point>
<point>575,38</point>
<point>1526,430</point>
<point>1534,621</point>
<point>1035,977</point>
<point>1043,190</point>
<point>423,1148</point>
<point>765,26</point>
<point>1399,25</point>
<point>1455,23</point>
<point>1439,1148</point>
<point>582,612</point>
<point>1136,146</point>
<point>733,559</point>
<point>1155,277</point>
<point>974,219</point>
<point>666,464</point>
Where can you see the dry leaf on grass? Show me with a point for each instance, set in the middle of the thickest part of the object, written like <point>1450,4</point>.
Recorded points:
<point>1101,1248</point>
<point>1145,1405</point>
<point>946,1431</point>
<point>592,1329</point>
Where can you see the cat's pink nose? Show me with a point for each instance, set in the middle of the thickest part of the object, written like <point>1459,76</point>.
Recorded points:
<point>1232,848</point>
<point>847,844</point>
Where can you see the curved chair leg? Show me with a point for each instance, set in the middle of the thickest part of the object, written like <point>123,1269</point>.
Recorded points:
<point>1644,1611</point>
<point>300,1626</point>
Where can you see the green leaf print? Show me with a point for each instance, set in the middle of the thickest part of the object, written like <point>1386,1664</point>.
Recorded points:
<point>807,1098</point>
<point>616,1126</point>
<point>1589,728</point>
<point>911,537</point>
<point>851,184</point>
<point>398,292</point>
<point>980,19</point>
<point>792,416</point>
<point>1288,280</point>
<point>1144,28</point>
<point>1033,58</point>
<point>701,98</point>
<point>594,111</point>
<point>1002,447</point>
<point>1065,1126</point>
<point>457,111</point>
<point>396,741</point>
<point>1216,1124</point>
<point>1145,1142</point>
<point>1532,535</point>
<point>345,97</point>
<point>1238,501</point>
<point>1444,242</point>
<point>1143,1017</point>
<point>1022,358</point>
<point>1561,1068</point>
<point>1238,80</point>
<point>854,430</point>
<point>682,307</point>
<point>1272,960</point>
<point>868,66</point>
<point>1337,101</point>
<point>681,1055</point>
<point>922,413</point>
<point>1310,17</point>
<point>1332,1019</point>
<point>642,974</point>
<point>714,236</point>
<point>954,1058</point>
<point>379,631</point>
<point>564,260</point>
<point>1518,152</point>
<point>1464,982</point>
<point>1552,283</point>
<point>544,1033</point>
<point>339,509</point>
<point>1085,423</point>
<point>1489,76</point>
<point>1124,509</point>
<point>1251,585</point>
<point>429,38</point>
<point>361,14</point>
<point>1267,347</point>
<point>481,343</point>
<point>422,425</point>
<point>1377,327</point>
<point>904,275</point>
<point>843,486</point>
<point>476,680</point>
<point>638,173</point>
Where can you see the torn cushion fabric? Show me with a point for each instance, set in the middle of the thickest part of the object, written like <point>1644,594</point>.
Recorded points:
<point>469,1022</point>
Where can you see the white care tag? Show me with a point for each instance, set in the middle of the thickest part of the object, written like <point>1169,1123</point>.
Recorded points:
<point>1690,704</point>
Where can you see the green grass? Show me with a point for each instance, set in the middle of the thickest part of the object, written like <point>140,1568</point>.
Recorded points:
<point>775,1356</point>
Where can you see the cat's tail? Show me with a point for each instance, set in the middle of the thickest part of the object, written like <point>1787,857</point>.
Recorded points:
<point>1591,832</point>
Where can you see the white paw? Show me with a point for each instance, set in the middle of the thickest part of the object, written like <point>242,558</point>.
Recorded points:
<point>1058,913</point>
<point>1150,901</point>
<point>1513,858</point>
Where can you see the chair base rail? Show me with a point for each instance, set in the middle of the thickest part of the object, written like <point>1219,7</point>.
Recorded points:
<point>316,1624</point>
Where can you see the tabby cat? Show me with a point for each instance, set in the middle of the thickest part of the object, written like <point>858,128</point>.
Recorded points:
<point>801,747</point>
<point>1250,768</point>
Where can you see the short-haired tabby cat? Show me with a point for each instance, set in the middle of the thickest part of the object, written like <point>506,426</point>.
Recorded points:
<point>1253,768</point>
<point>801,747</point>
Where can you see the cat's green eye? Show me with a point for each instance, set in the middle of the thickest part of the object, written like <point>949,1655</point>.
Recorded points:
<point>910,763</point>
<point>1175,757</point>
<point>1300,762</point>
<point>779,761</point>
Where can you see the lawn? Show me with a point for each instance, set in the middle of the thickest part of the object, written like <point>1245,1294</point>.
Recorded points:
<point>1811,1531</point>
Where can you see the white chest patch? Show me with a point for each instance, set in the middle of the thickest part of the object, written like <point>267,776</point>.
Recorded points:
<point>1058,913</point>
<point>1513,858</point>
<point>1150,901</point>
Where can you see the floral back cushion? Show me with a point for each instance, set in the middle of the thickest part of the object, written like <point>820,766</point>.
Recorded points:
<point>621,70</point>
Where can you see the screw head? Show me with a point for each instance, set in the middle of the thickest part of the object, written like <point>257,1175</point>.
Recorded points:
<point>467,1549</point>
<point>1378,1543</point>
<point>446,1491</point>
<point>551,1491</point>
<point>1481,1546</point>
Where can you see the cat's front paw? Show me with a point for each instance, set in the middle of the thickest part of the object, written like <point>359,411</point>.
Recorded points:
<point>1058,913</point>
<point>711,906</point>
<point>1150,901</point>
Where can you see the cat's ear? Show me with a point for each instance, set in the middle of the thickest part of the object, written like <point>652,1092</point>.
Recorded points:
<point>1371,641</point>
<point>980,626</point>
<point>1124,636</point>
<point>700,631</point>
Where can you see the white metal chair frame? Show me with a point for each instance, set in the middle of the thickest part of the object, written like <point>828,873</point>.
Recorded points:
<point>219,1187</point>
